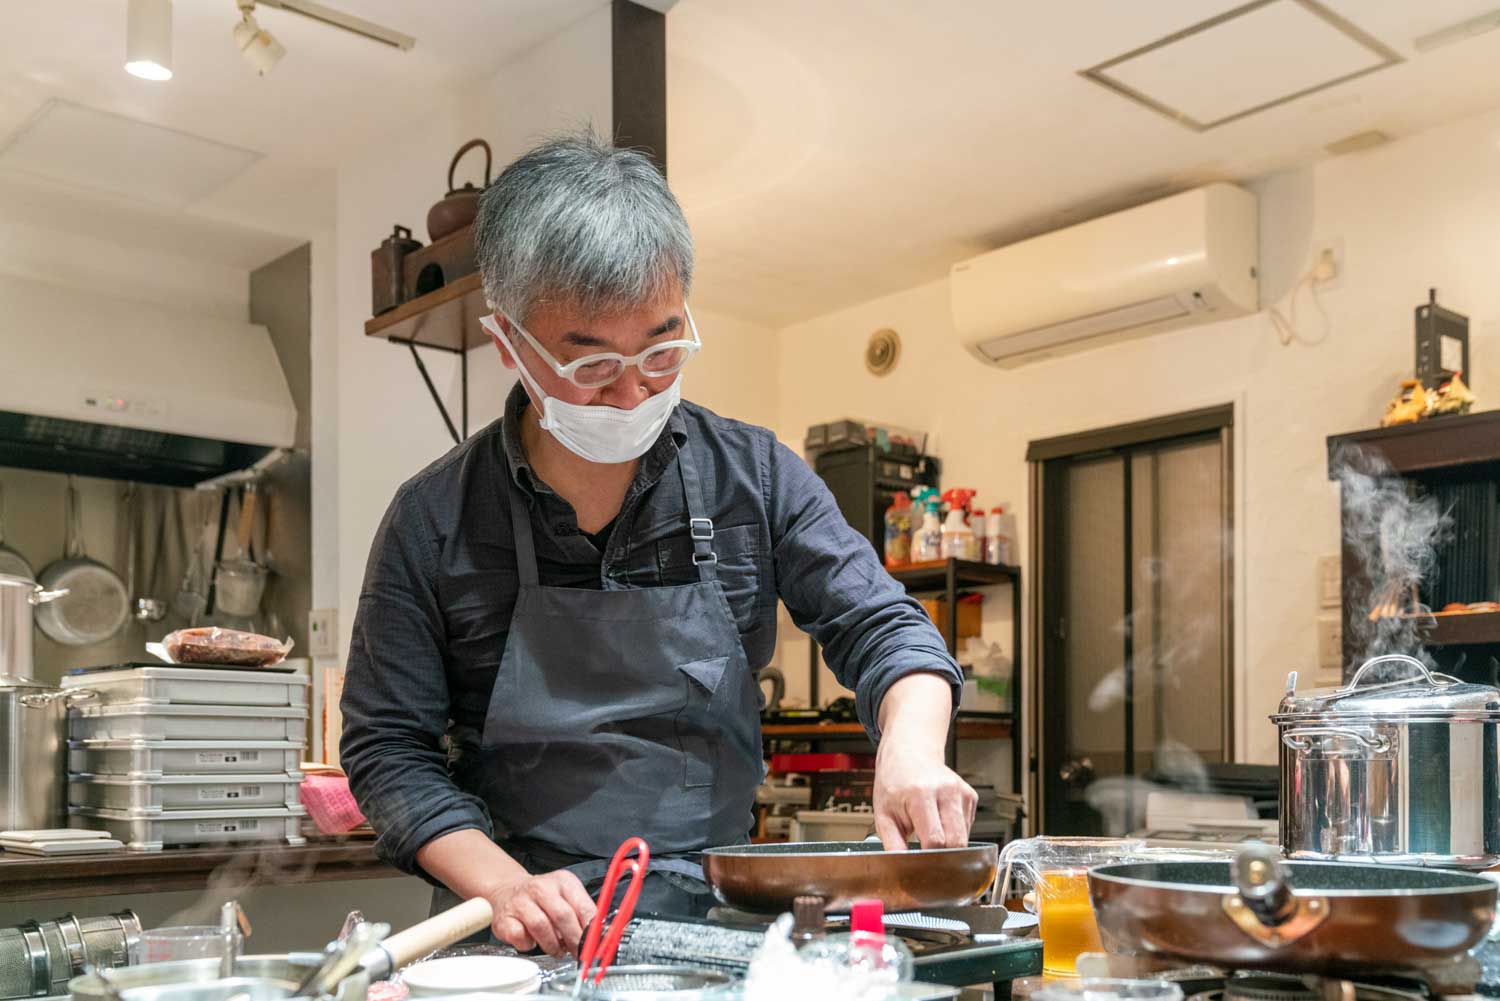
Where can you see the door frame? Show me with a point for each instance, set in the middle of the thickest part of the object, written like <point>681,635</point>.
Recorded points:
<point>1186,424</point>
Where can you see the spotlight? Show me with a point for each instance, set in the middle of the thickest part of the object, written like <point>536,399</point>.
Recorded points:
<point>148,39</point>
<point>260,49</point>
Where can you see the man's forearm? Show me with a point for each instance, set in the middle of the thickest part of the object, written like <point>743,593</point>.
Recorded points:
<point>916,711</point>
<point>469,863</point>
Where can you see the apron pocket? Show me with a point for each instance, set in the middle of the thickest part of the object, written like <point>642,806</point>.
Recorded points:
<point>695,722</point>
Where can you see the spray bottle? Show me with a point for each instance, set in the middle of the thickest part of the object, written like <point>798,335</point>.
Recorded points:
<point>927,539</point>
<point>957,537</point>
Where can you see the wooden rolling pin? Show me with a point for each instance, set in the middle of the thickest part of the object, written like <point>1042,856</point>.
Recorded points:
<point>436,932</point>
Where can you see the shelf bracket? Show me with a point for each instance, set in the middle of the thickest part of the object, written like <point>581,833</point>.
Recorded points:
<point>437,398</point>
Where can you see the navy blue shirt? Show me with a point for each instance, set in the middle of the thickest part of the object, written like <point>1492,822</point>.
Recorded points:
<point>435,609</point>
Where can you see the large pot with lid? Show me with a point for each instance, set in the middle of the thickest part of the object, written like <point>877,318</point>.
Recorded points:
<point>33,748</point>
<point>19,596</point>
<point>1398,766</point>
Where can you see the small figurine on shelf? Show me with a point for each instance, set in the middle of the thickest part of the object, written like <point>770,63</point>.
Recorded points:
<point>1452,397</point>
<point>1409,406</point>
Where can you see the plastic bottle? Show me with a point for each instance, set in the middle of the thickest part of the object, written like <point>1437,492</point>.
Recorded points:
<point>1002,537</point>
<point>976,523</point>
<point>898,518</point>
<point>992,540</point>
<point>866,956</point>
<point>927,540</point>
<point>957,538</point>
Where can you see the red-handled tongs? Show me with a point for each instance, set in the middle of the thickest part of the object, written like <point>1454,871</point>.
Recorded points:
<point>604,952</point>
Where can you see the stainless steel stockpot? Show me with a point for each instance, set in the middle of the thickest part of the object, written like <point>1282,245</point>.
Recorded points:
<point>1403,771</point>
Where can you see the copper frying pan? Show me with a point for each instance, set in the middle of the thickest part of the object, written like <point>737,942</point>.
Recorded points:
<point>1259,912</point>
<point>766,878</point>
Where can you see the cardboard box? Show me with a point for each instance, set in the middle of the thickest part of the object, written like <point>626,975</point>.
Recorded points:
<point>969,616</point>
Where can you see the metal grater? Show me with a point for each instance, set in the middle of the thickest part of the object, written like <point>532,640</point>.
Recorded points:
<point>657,941</point>
<point>38,958</point>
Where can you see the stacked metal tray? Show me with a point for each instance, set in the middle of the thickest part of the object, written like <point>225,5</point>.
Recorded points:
<point>169,755</point>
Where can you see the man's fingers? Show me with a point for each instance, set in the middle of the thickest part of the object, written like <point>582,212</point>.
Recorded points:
<point>891,837</point>
<point>510,931</point>
<point>952,813</point>
<point>971,803</point>
<point>577,897</point>
<point>564,919</point>
<point>923,811</point>
<point>538,925</point>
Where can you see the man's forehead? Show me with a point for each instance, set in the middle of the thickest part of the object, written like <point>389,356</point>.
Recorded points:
<point>603,330</point>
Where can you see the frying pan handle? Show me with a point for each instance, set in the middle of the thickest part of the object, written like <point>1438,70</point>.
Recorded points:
<point>1262,883</point>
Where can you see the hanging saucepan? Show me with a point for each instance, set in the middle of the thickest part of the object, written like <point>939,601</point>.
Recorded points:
<point>12,563</point>
<point>97,603</point>
<point>461,205</point>
<point>1262,913</point>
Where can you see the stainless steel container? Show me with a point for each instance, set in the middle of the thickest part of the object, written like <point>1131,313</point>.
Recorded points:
<point>18,596</point>
<point>1402,771</point>
<point>33,761</point>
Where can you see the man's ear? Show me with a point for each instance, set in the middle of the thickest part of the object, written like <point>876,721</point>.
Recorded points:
<point>505,356</point>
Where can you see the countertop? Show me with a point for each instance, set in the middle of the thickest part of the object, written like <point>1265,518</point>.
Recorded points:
<point>25,878</point>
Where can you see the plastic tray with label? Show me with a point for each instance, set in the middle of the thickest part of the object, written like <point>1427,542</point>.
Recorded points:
<point>171,793</point>
<point>149,721</point>
<point>172,685</point>
<point>152,758</point>
<point>152,833</point>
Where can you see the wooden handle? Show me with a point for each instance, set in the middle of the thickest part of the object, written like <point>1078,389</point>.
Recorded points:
<point>438,931</point>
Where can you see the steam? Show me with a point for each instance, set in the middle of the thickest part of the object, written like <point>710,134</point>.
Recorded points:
<point>1394,534</point>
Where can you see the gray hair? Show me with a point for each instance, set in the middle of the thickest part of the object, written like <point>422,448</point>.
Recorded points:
<point>580,222</point>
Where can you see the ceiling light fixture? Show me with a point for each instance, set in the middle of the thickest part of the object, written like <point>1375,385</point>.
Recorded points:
<point>259,47</point>
<point>148,39</point>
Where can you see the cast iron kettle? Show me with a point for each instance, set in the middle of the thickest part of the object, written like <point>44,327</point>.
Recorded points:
<point>461,205</point>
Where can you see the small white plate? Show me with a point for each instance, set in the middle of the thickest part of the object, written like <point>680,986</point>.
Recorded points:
<point>470,974</point>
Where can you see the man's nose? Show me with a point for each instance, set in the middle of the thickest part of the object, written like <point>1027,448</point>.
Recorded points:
<point>628,391</point>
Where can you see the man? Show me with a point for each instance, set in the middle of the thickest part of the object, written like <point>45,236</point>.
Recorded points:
<point>579,596</point>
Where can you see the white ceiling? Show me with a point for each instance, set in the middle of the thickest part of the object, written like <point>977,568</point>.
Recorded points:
<point>333,93</point>
<point>828,153</point>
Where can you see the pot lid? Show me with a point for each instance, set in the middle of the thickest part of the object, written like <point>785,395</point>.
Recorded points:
<point>1393,685</point>
<point>16,681</point>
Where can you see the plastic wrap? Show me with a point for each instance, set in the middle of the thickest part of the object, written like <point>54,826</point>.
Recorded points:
<point>214,645</point>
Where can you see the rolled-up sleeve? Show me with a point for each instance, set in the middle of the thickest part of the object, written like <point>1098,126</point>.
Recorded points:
<point>396,699</point>
<point>872,632</point>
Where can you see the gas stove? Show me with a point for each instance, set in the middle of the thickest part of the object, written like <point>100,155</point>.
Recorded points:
<point>1463,980</point>
<point>958,946</point>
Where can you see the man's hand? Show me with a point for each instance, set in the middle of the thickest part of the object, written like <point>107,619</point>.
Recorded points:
<point>915,792</point>
<point>551,911</point>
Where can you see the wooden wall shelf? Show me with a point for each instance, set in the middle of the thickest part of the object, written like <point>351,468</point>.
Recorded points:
<point>446,318</point>
<point>1459,630</point>
<point>1427,446</point>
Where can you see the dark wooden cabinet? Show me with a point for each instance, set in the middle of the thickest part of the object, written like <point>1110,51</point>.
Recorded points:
<point>1457,460</point>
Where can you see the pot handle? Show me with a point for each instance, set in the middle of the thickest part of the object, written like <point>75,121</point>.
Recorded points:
<point>1299,738</point>
<point>67,696</point>
<point>1433,679</point>
<point>40,596</point>
<point>471,144</point>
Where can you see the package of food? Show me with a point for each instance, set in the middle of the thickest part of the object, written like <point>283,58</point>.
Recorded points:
<point>213,645</point>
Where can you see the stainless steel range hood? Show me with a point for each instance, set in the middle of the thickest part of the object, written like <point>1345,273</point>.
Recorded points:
<point>132,391</point>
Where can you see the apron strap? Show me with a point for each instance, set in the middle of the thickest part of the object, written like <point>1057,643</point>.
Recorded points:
<point>700,529</point>
<point>520,526</point>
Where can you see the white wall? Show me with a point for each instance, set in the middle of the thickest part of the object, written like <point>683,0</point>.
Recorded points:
<point>387,426</point>
<point>1420,212</point>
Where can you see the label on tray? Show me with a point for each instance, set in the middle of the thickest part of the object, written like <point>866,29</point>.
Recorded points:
<point>228,792</point>
<point>227,757</point>
<point>227,826</point>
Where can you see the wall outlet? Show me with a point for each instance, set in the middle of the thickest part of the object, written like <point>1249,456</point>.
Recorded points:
<point>1330,642</point>
<point>1327,264</point>
<point>323,633</point>
<point>1330,581</point>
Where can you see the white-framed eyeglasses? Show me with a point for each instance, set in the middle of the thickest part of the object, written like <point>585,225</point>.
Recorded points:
<point>599,370</point>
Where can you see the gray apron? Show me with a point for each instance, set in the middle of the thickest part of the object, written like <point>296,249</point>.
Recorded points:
<point>620,713</point>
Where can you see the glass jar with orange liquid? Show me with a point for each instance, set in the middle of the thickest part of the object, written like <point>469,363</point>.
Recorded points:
<point>1057,871</point>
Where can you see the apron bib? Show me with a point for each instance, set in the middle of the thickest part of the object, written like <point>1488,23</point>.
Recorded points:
<point>619,713</point>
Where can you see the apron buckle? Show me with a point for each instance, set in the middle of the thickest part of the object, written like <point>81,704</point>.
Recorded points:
<point>701,529</point>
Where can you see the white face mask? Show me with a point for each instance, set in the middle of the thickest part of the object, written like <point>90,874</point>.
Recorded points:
<point>598,433</point>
